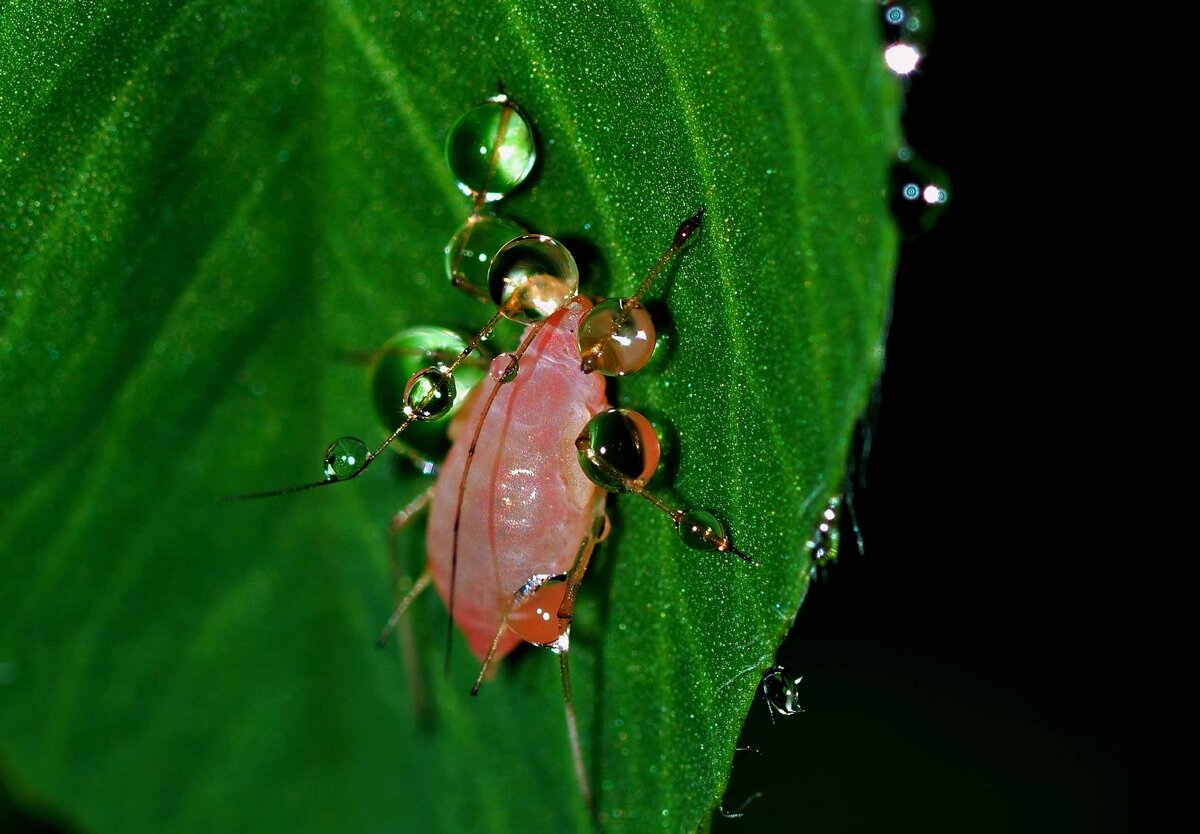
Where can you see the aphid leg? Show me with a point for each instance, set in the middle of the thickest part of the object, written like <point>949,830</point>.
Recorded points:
<point>407,645</point>
<point>566,611</point>
<point>487,661</point>
<point>423,465</point>
<point>561,648</point>
<point>399,521</point>
<point>617,337</point>
<point>370,357</point>
<point>420,585</point>
<point>697,528</point>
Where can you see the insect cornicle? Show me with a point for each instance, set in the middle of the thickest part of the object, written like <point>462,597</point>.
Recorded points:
<point>537,445</point>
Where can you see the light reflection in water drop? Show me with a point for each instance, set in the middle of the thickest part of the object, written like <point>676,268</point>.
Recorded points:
<point>901,58</point>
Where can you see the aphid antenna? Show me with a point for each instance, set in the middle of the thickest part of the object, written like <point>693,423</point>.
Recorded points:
<point>686,231</point>
<point>720,543</point>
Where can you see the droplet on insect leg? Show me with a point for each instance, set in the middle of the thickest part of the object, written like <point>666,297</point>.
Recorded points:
<point>700,529</point>
<point>531,277</point>
<point>618,446</point>
<point>430,394</point>
<point>616,338</point>
<point>472,248</point>
<point>406,354</point>
<point>504,367</point>
<point>344,457</point>
<point>491,149</point>
<point>535,611</point>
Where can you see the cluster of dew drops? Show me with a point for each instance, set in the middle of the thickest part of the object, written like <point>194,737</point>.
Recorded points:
<point>526,277</point>
<point>920,188</point>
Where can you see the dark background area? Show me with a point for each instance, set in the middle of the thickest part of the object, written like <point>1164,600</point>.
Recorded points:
<point>972,670</point>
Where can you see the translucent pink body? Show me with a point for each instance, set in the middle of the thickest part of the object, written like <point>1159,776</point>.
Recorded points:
<point>527,504</point>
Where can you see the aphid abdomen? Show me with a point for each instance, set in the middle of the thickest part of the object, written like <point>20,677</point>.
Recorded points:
<point>527,504</point>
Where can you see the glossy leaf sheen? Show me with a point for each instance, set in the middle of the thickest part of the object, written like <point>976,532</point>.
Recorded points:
<point>203,204</point>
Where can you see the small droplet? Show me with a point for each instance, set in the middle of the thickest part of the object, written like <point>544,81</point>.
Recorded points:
<point>344,457</point>
<point>504,367</point>
<point>780,692</point>
<point>429,394</point>
<point>531,277</point>
<point>616,338</point>
<point>909,21</point>
<point>618,442</point>
<point>822,545</point>
<point>491,149</point>
<point>921,192</point>
<point>700,529</point>
<point>408,353</point>
<point>473,246</point>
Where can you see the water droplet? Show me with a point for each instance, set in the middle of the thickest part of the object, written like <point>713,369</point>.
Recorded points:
<point>921,192</point>
<point>429,394</point>
<point>934,194</point>
<point>908,21</point>
<point>700,529</point>
<point>406,354</point>
<point>491,149</point>
<point>781,692</point>
<point>504,367</point>
<point>902,58</point>
<point>618,442</point>
<point>822,545</point>
<point>531,277</point>
<point>470,251</point>
<point>616,338</point>
<point>344,457</point>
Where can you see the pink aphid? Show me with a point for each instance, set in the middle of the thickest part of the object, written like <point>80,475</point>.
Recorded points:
<point>519,502</point>
<point>526,505</point>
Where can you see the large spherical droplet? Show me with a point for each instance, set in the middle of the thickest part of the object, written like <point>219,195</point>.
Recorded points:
<point>429,394</point>
<point>616,445</point>
<point>491,149</point>
<point>700,529</point>
<point>406,354</point>
<point>616,338</point>
<point>531,277</point>
<point>344,457</point>
<point>471,249</point>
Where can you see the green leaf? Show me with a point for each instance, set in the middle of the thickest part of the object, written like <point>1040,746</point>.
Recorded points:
<point>203,204</point>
